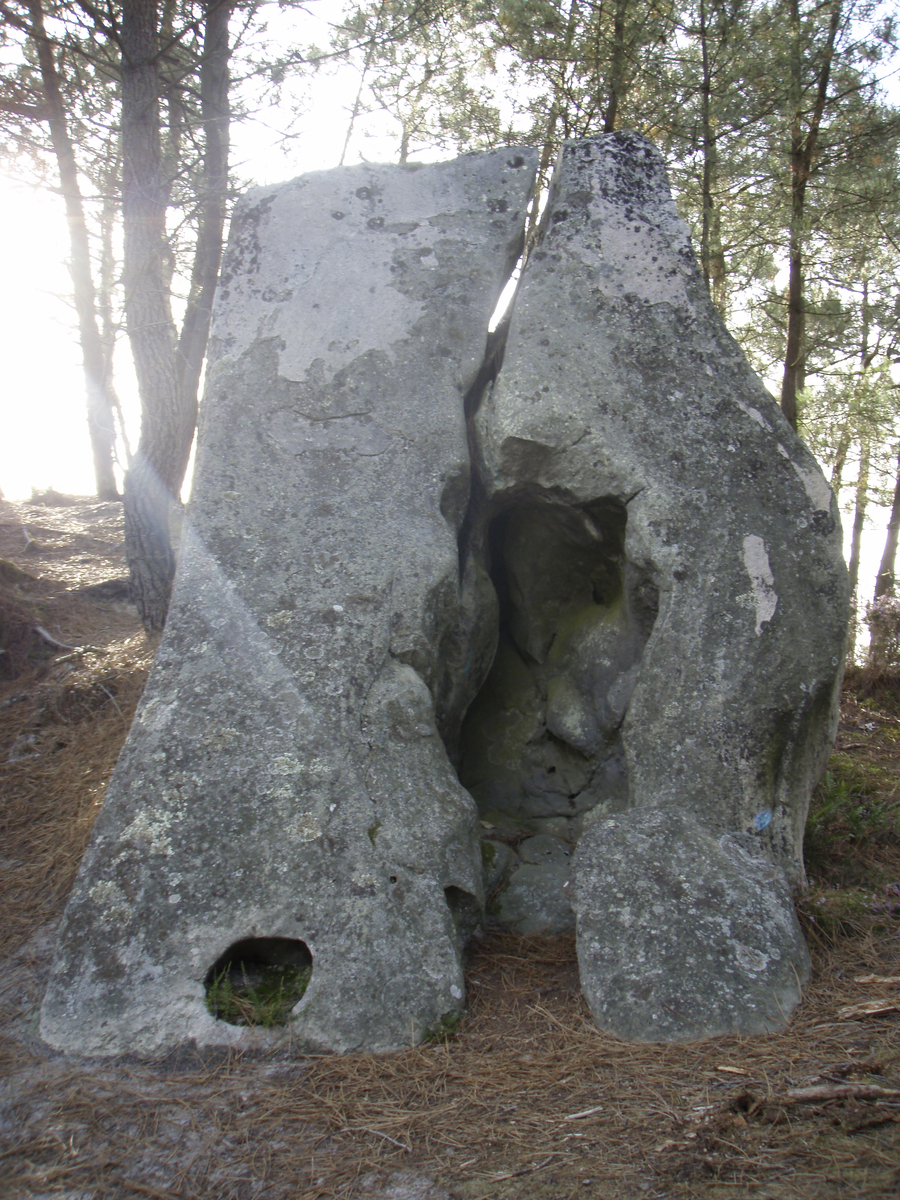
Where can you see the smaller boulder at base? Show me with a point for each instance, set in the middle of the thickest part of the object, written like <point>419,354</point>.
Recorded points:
<point>682,933</point>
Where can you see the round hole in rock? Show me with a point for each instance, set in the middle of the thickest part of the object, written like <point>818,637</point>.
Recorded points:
<point>257,981</point>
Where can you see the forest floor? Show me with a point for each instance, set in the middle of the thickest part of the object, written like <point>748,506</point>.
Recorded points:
<point>527,1099</point>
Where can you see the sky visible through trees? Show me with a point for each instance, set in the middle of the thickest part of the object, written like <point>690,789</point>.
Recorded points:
<point>780,122</point>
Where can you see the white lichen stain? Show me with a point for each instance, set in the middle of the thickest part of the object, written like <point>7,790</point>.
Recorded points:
<point>632,261</point>
<point>755,415</point>
<point>221,739</point>
<point>305,829</point>
<point>155,715</point>
<point>816,487</point>
<point>749,959</point>
<point>756,562</point>
<point>344,269</point>
<point>106,892</point>
<point>110,899</point>
<point>285,764</point>
<point>364,879</point>
<point>149,834</point>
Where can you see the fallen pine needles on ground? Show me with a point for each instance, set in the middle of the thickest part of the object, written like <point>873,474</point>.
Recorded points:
<point>526,1098</point>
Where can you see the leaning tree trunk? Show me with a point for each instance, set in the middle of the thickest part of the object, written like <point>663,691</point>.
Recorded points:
<point>101,399</point>
<point>168,368</point>
<point>157,470</point>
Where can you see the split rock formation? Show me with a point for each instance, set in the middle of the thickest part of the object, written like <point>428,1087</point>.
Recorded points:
<point>569,628</point>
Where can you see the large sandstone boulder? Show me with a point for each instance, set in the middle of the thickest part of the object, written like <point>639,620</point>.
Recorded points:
<point>673,601</point>
<point>284,784</point>
<point>590,608</point>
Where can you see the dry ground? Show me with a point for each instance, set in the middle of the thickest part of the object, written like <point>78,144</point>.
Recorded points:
<point>528,1099</point>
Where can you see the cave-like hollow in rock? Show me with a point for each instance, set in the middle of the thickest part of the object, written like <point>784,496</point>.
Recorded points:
<point>540,745</point>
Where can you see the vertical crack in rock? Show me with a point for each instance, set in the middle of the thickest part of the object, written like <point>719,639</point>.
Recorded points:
<point>538,678</point>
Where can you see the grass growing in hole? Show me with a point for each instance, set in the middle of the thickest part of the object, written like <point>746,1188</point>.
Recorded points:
<point>252,994</point>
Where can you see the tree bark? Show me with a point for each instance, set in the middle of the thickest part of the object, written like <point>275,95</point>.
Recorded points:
<point>108,280</point>
<point>215,115</point>
<point>168,367</point>
<point>101,399</point>
<point>859,520</point>
<point>712,257</point>
<point>885,579</point>
<point>156,473</point>
<point>617,68</point>
<point>882,617</point>
<point>840,457</point>
<point>803,153</point>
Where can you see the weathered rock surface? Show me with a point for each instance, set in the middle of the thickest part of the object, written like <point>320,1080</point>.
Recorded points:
<point>682,934</point>
<point>676,636</point>
<point>535,895</point>
<point>672,592</point>
<point>284,778</point>
<point>624,630</point>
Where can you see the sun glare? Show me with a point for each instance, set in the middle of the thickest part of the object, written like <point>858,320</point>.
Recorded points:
<point>45,440</point>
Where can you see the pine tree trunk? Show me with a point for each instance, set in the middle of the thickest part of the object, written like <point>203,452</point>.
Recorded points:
<point>154,479</point>
<point>108,281</point>
<point>859,519</point>
<point>840,457</point>
<point>882,617</point>
<point>215,115</point>
<point>168,368</point>
<point>794,369</point>
<point>794,377</point>
<point>617,68</point>
<point>885,579</point>
<point>712,258</point>
<point>101,399</point>
<point>803,153</point>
